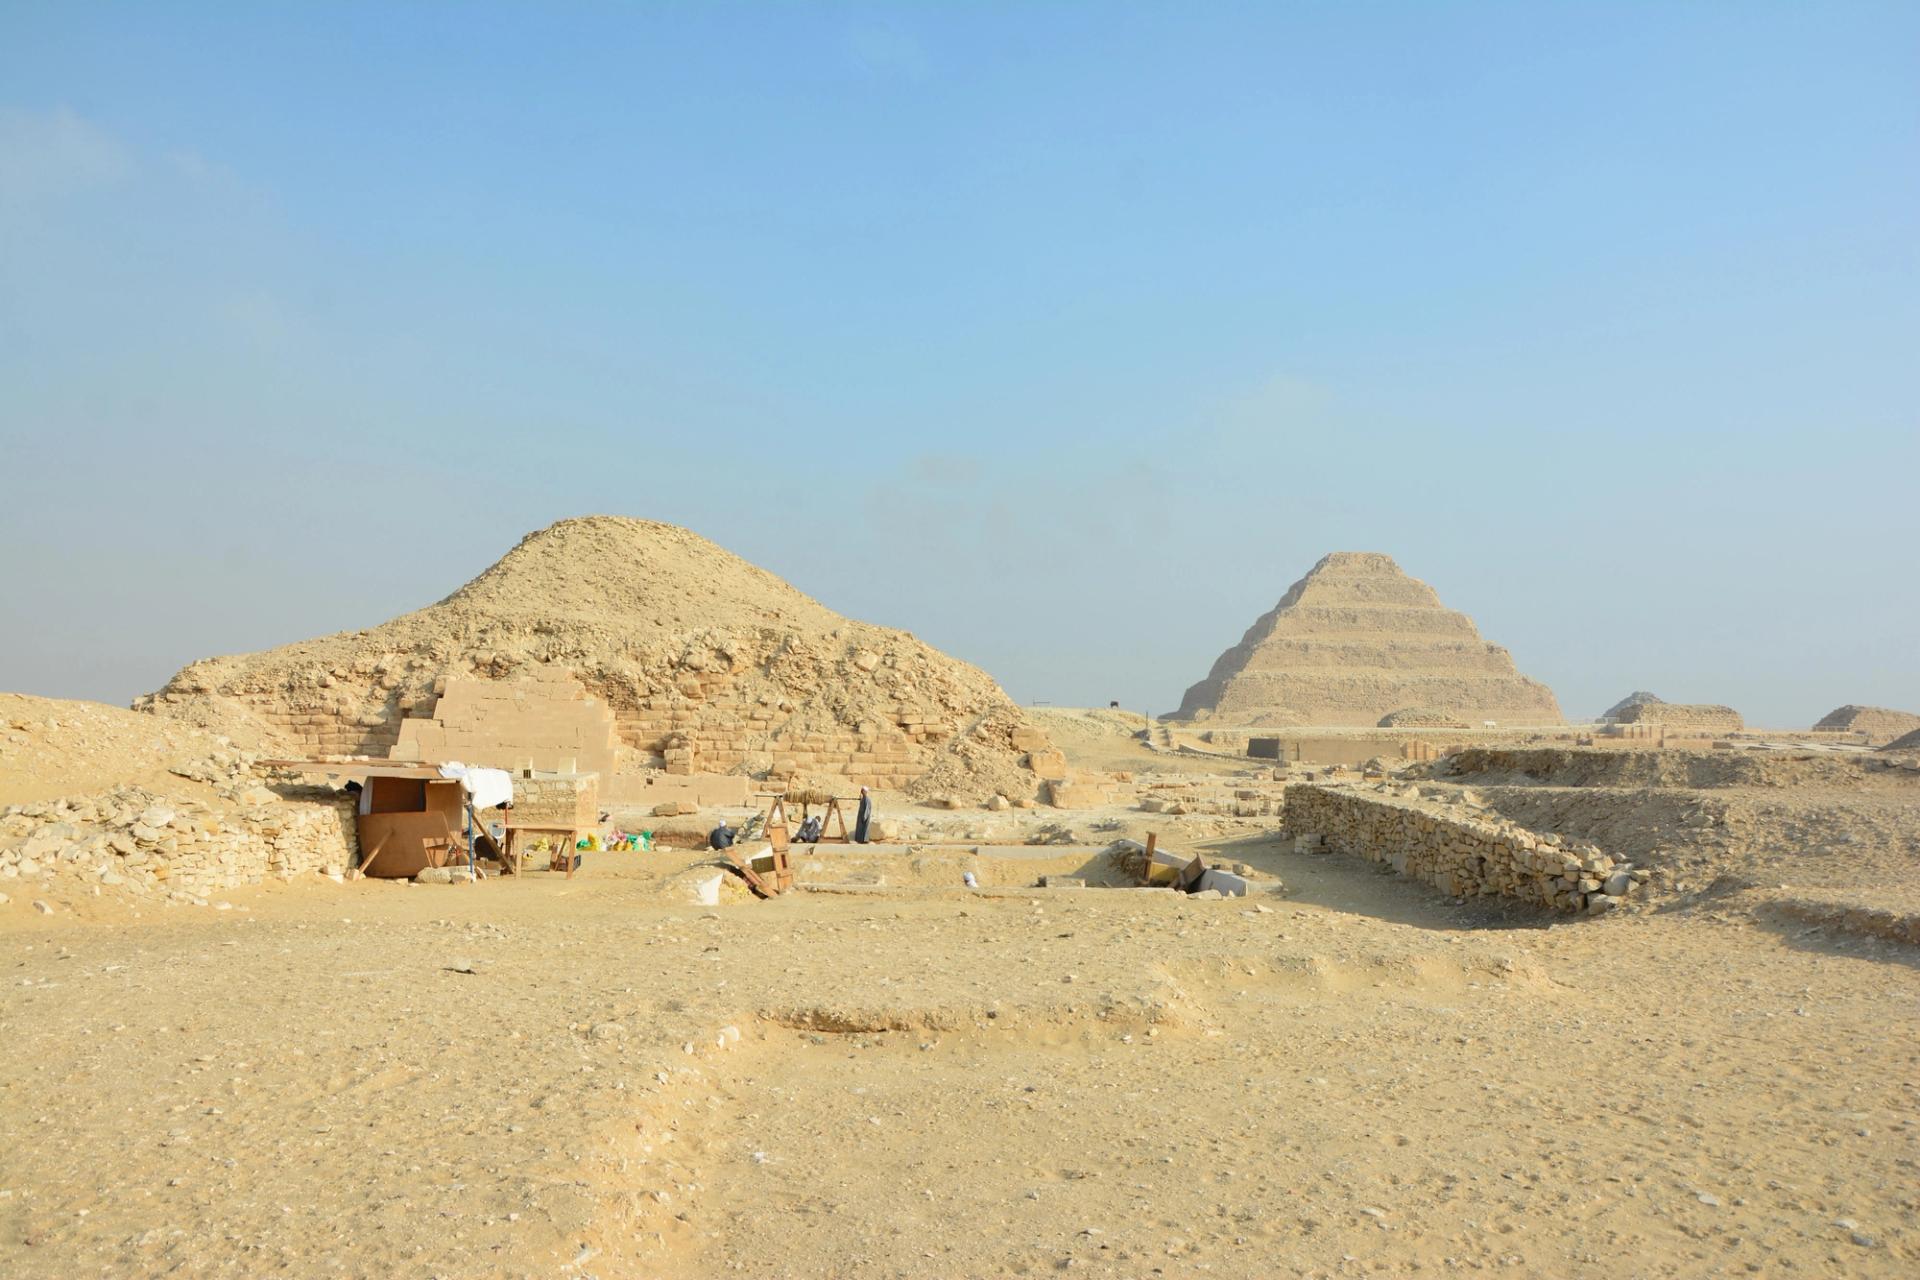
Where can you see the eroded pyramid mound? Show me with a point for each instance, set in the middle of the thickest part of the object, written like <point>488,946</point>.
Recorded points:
<point>1357,639</point>
<point>1692,717</point>
<point>1881,725</point>
<point>705,662</point>
<point>1626,706</point>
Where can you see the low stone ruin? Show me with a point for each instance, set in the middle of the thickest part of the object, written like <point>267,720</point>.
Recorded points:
<point>1462,854</point>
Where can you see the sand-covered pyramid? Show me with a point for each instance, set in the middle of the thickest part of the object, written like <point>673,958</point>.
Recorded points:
<point>1881,725</point>
<point>703,660</point>
<point>1355,640</point>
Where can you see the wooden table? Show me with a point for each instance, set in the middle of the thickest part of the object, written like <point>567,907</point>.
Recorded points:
<point>515,855</point>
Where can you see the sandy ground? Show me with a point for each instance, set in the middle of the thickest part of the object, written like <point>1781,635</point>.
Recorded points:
<point>558,1078</point>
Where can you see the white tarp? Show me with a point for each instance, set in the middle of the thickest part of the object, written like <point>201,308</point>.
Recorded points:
<point>485,787</point>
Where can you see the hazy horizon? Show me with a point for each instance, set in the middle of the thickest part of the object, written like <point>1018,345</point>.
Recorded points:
<point>1065,338</point>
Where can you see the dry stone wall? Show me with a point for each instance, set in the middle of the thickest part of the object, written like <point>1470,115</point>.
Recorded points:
<point>1464,855</point>
<point>137,843</point>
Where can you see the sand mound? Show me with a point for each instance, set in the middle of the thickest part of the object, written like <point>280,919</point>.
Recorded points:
<point>1881,725</point>
<point>1905,742</point>
<point>694,651</point>
<point>99,804</point>
<point>1355,640</point>
<point>51,748</point>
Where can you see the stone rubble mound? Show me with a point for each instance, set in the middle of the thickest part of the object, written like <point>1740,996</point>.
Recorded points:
<point>156,811</point>
<point>708,664</point>
<point>1355,640</point>
<point>1421,718</point>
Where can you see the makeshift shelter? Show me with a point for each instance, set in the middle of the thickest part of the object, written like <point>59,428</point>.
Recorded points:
<point>414,816</point>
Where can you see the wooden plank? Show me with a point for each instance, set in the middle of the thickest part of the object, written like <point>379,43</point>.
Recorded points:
<point>747,872</point>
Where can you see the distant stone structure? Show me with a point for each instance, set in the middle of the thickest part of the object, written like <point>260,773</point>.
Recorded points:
<point>1879,725</point>
<point>1357,640</point>
<point>1675,717</point>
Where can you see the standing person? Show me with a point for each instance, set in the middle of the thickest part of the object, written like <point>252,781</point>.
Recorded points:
<point>863,817</point>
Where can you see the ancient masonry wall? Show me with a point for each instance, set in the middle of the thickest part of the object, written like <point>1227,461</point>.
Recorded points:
<point>704,725</point>
<point>1460,856</point>
<point>709,727</point>
<point>134,842</point>
<point>547,719</point>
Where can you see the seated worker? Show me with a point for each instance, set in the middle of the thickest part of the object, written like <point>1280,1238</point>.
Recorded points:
<point>809,832</point>
<point>722,836</point>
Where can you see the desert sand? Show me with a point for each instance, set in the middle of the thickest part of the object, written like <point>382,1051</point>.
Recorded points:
<point>225,1056</point>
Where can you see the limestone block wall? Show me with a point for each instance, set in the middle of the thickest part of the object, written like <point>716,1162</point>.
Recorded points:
<point>326,729</point>
<point>547,718</point>
<point>716,730</point>
<point>1463,856</point>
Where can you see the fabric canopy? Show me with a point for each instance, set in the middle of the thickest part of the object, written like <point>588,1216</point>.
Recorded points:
<point>485,787</point>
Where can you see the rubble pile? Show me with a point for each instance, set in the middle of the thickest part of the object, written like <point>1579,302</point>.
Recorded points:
<point>139,843</point>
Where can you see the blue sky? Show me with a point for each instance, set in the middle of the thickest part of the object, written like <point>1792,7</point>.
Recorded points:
<point>1065,336</point>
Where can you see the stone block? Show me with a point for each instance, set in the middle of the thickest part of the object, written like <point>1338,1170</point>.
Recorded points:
<point>1049,764</point>
<point>1062,794</point>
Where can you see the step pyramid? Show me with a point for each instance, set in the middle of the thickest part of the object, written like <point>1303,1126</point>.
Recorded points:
<point>1356,640</point>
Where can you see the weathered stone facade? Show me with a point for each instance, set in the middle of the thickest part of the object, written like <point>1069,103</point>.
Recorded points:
<point>1465,855</point>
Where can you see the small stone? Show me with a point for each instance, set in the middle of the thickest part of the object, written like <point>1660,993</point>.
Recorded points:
<point>42,907</point>
<point>1707,1199</point>
<point>609,1031</point>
